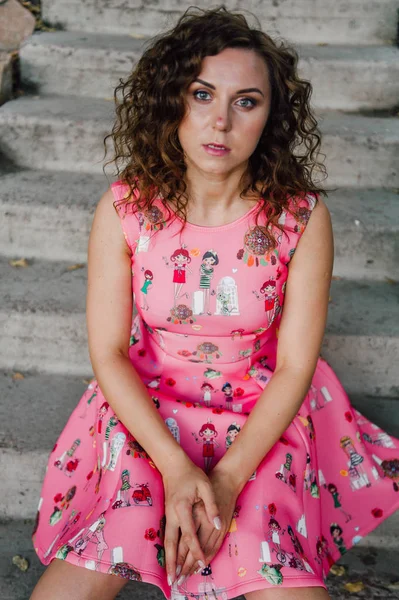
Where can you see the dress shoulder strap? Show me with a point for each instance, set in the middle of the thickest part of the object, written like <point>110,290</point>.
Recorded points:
<point>295,226</point>
<point>128,215</point>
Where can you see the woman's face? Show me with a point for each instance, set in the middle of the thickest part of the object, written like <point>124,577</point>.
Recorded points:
<point>218,112</point>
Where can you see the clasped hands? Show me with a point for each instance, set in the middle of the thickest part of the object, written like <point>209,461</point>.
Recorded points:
<point>192,501</point>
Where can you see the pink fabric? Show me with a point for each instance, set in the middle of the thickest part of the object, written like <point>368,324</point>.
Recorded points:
<point>205,345</point>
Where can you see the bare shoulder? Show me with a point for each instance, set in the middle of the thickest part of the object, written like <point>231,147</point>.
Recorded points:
<point>320,218</point>
<point>106,226</point>
<point>318,235</point>
<point>315,249</point>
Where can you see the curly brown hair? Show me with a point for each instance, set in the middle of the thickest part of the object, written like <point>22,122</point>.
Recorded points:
<point>153,105</point>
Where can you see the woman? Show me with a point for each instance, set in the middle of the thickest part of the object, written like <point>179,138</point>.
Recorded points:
<point>209,121</point>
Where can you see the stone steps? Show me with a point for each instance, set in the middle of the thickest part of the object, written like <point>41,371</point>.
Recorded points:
<point>44,326</point>
<point>48,215</point>
<point>66,133</point>
<point>321,21</point>
<point>359,77</point>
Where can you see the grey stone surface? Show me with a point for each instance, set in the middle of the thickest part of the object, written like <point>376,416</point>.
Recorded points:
<point>359,77</point>
<point>375,567</point>
<point>340,22</point>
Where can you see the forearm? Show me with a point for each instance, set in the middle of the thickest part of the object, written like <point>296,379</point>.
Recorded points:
<point>132,404</point>
<point>272,414</point>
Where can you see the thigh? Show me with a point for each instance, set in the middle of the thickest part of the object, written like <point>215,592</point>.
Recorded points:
<point>63,581</point>
<point>294,593</point>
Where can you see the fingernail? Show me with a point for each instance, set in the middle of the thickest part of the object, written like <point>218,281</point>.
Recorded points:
<point>180,581</point>
<point>169,580</point>
<point>178,570</point>
<point>198,570</point>
<point>218,523</point>
<point>201,564</point>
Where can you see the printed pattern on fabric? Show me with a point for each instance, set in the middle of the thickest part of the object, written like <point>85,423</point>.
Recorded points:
<point>204,341</point>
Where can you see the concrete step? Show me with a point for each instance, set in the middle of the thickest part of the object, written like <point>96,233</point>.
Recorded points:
<point>48,215</point>
<point>67,134</point>
<point>26,439</point>
<point>340,22</point>
<point>374,565</point>
<point>43,324</point>
<point>63,62</point>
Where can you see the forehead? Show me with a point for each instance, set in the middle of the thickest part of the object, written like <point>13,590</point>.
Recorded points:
<point>235,66</point>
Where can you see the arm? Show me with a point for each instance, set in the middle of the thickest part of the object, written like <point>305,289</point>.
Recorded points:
<point>109,314</point>
<point>300,337</point>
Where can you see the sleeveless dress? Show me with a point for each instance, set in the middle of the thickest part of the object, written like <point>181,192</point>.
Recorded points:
<point>204,340</point>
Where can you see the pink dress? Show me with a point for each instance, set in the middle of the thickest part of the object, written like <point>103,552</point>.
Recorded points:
<point>205,356</point>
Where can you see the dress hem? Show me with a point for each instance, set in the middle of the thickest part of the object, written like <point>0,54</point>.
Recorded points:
<point>249,585</point>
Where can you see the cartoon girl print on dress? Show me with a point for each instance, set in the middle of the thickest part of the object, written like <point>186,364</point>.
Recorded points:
<point>208,434</point>
<point>272,302</point>
<point>180,260</point>
<point>228,394</point>
<point>336,533</point>
<point>209,260</point>
<point>332,488</point>
<point>309,479</point>
<point>148,277</point>
<point>285,474</point>
<point>93,534</point>
<point>232,431</point>
<point>207,390</point>
<point>231,534</point>
<point>324,552</point>
<point>101,414</point>
<point>122,499</point>
<point>357,474</point>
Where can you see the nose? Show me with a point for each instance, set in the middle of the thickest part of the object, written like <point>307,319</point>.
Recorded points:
<point>222,119</point>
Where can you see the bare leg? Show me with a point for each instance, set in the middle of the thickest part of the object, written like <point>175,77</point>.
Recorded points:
<point>299,593</point>
<point>63,581</point>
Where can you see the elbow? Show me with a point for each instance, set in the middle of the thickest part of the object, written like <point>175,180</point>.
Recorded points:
<point>100,359</point>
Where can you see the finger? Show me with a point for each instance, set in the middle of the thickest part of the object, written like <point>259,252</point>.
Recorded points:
<point>183,549</point>
<point>189,534</point>
<point>170,545</point>
<point>192,565</point>
<point>211,507</point>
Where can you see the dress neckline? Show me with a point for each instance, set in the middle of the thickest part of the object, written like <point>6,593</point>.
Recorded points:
<point>215,227</point>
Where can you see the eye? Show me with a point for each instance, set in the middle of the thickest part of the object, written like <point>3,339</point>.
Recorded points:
<point>251,100</point>
<point>200,92</point>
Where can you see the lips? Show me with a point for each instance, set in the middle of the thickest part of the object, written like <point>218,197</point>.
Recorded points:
<point>217,146</point>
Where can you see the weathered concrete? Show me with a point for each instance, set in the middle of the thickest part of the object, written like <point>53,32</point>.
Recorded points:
<point>299,21</point>
<point>67,133</point>
<point>48,215</point>
<point>92,64</point>
<point>46,328</point>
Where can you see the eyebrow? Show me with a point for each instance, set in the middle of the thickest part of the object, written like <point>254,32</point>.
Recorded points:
<point>246,91</point>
